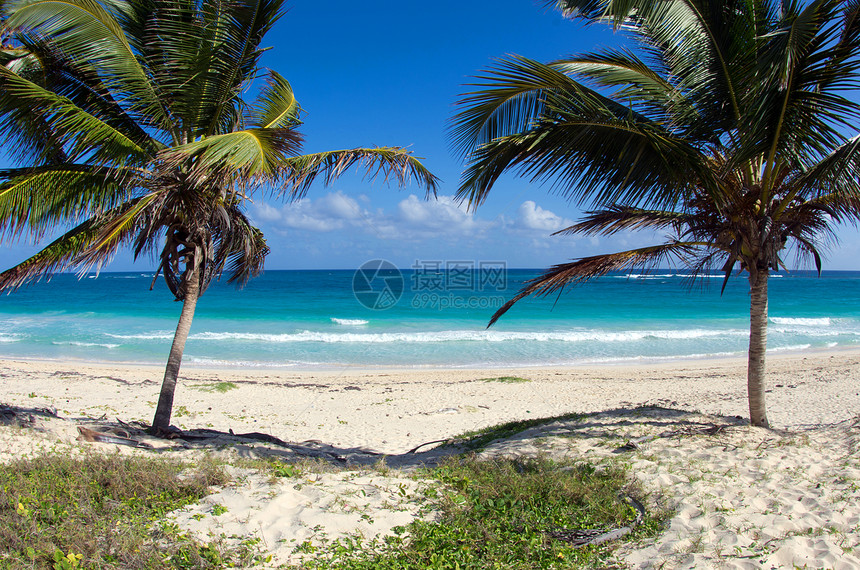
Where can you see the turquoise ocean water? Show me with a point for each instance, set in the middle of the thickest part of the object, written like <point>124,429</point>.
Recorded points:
<point>431,317</point>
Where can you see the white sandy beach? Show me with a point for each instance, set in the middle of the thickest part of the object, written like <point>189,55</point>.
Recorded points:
<point>742,497</point>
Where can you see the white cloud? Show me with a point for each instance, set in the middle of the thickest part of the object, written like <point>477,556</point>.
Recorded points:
<point>443,213</point>
<point>339,206</point>
<point>412,218</point>
<point>414,227</point>
<point>266,213</point>
<point>530,216</point>
<point>330,212</point>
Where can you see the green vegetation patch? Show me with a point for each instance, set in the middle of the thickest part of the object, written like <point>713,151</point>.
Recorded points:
<point>498,514</point>
<point>217,387</point>
<point>100,511</point>
<point>479,439</point>
<point>507,379</point>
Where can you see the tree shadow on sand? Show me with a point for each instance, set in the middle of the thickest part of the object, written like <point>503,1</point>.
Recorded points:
<point>620,429</point>
<point>24,416</point>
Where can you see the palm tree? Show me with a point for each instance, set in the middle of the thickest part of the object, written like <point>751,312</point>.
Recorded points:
<point>129,119</point>
<point>725,128</point>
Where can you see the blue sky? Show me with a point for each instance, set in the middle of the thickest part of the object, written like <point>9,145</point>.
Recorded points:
<point>387,74</point>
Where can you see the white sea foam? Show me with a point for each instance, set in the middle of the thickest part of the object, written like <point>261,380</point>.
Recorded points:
<point>9,338</point>
<point>76,343</point>
<point>647,276</point>
<point>157,335</point>
<point>679,275</point>
<point>668,276</point>
<point>805,322</point>
<point>243,363</point>
<point>349,322</point>
<point>645,358</point>
<point>467,336</point>
<point>790,348</point>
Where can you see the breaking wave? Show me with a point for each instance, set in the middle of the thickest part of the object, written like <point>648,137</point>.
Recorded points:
<point>804,322</point>
<point>349,322</point>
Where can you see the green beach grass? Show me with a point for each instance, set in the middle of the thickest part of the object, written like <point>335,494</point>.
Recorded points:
<point>104,511</point>
<point>107,511</point>
<point>507,379</point>
<point>498,513</point>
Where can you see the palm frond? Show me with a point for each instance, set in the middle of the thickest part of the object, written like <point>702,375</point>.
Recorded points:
<point>589,154</point>
<point>56,256</point>
<point>616,218</point>
<point>800,110</point>
<point>700,41</point>
<point>276,106</point>
<point>203,55</point>
<point>255,153</point>
<point>832,177</point>
<point>538,122</point>
<point>90,31</point>
<point>243,248</point>
<point>395,163</point>
<point>836,207</point>
<point>48,66</point>
<point>510,97</point>
<point>807,249</point>
<point>116,229</point>
<point>633,81</point>
<point>73,248</point>
<point>81,133</point>
<point>29,137</point>
<point>35,199</point>
<point>558,277</point>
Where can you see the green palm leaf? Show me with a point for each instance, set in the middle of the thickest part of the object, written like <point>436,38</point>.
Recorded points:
<point>633,81</point>
<point>80,132</point>
<point>509,100</point>
<point>36,199</point>
<point>243,248</point>
<point>250,154</point>
<point>276,106</point>
<point>89,31</point>
<point>389,162</point>
<point>73,249</point>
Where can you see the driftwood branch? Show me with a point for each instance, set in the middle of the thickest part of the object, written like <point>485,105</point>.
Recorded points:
<point>415,449</point>
<point>591,536</point>
<point>117,437</point>
<point>632,444</point>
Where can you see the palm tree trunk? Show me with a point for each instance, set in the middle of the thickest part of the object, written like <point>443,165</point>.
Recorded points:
<point>171,373</point>
<point>758,346</point>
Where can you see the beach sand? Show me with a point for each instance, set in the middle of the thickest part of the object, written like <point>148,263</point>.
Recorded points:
<point>740,497</point>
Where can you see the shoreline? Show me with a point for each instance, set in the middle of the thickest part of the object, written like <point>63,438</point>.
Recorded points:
<point>693,360</point>
<point>632,362</point>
